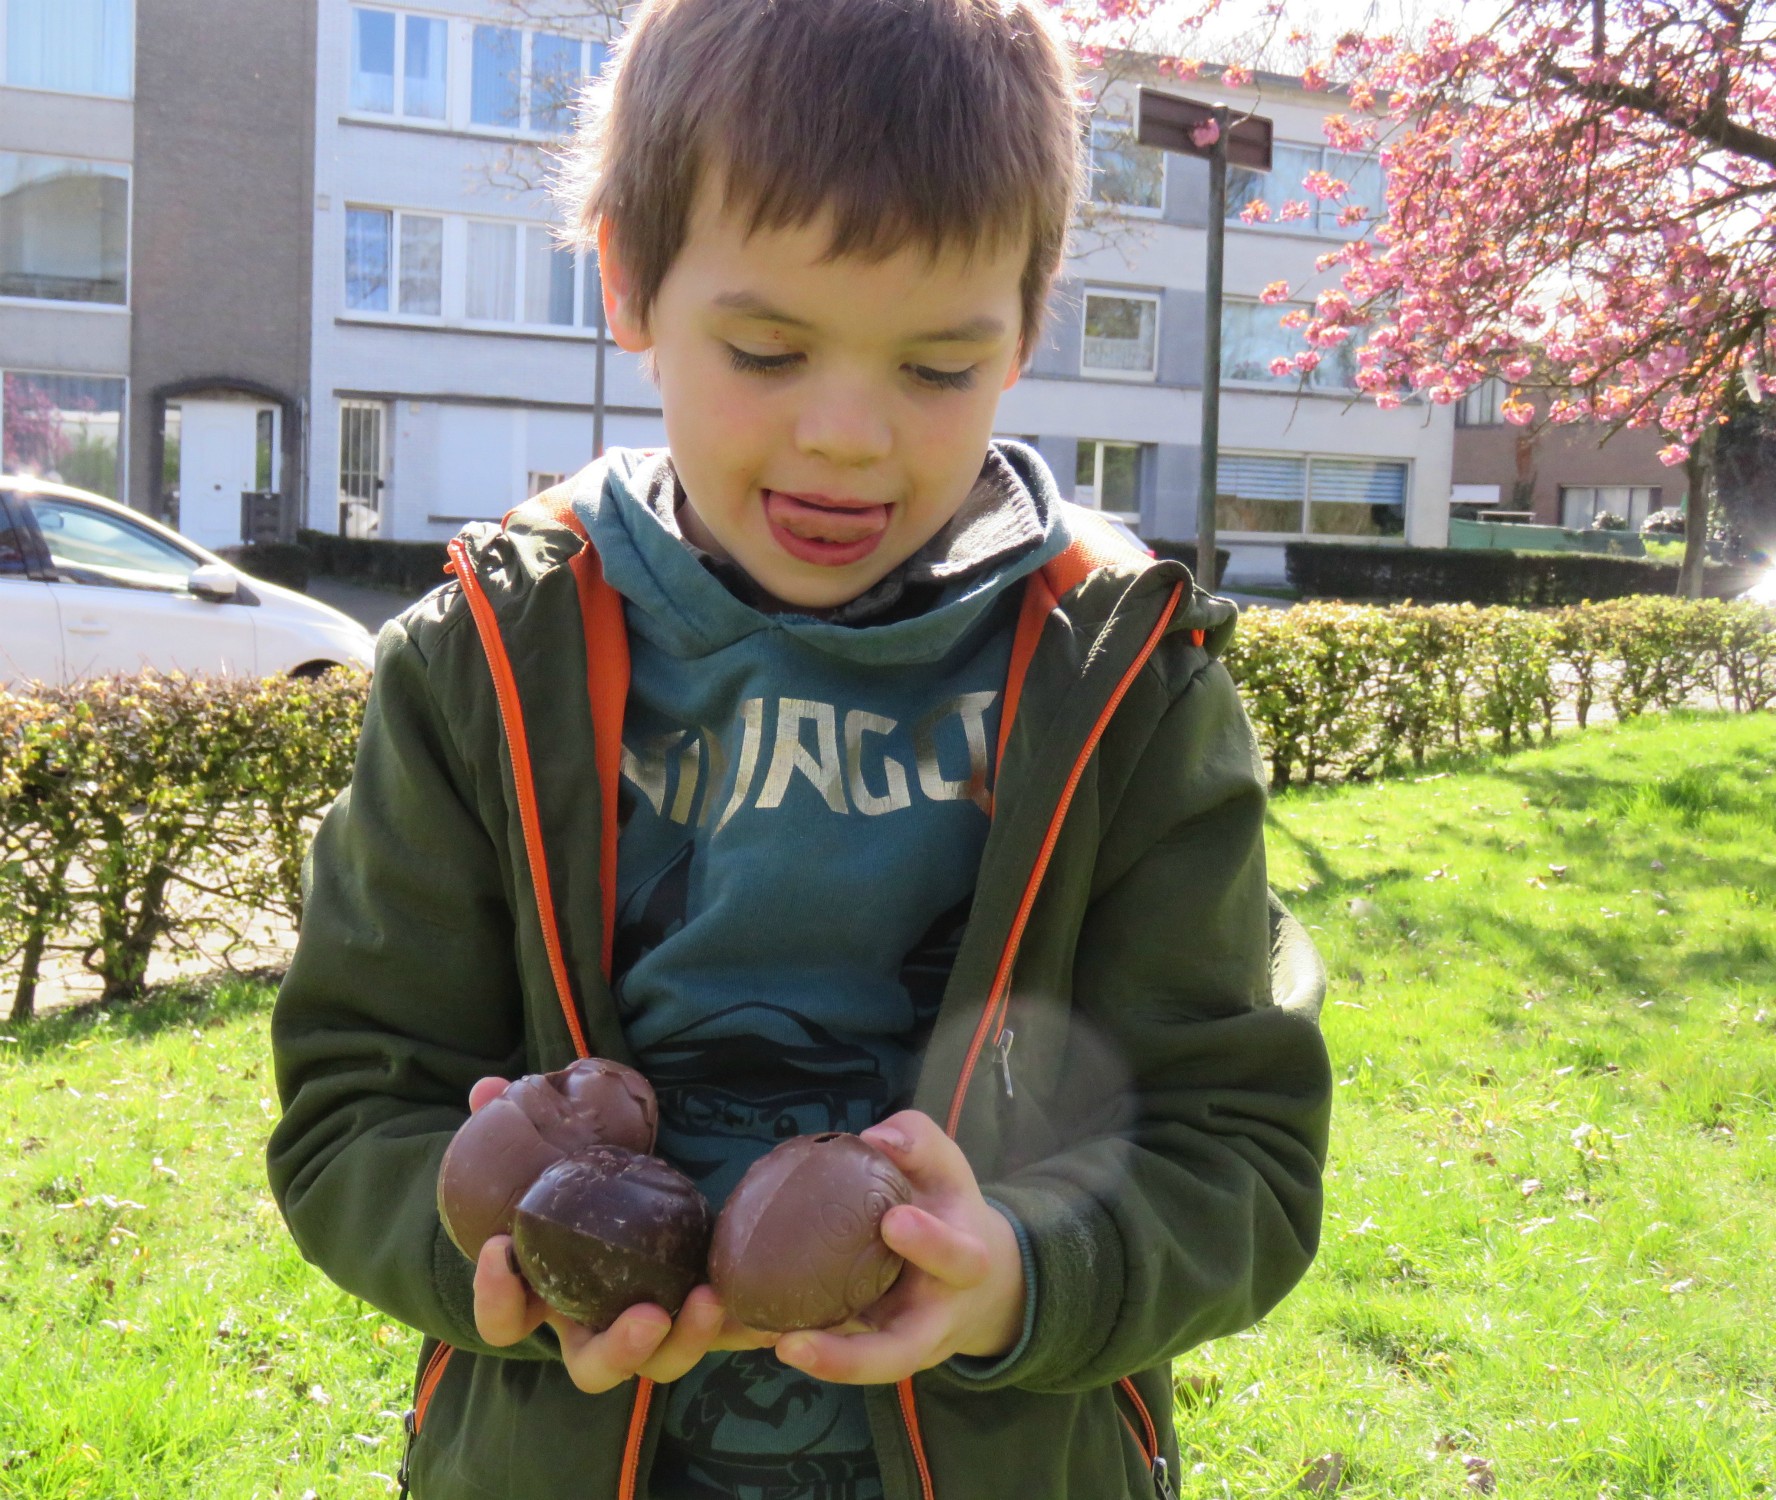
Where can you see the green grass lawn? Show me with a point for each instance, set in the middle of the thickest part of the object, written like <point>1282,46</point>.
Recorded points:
<point>1552,1196</point>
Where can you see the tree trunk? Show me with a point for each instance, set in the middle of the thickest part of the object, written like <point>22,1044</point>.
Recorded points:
<point>1699,470</point>
<point>24,999</point>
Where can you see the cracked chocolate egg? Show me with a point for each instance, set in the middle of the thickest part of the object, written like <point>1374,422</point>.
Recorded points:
<point>605,1229</point>
<point>508,1143</point>
<point>798,1244</point>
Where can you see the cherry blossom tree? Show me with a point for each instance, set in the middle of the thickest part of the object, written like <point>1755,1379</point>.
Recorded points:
<point>1581,200</point>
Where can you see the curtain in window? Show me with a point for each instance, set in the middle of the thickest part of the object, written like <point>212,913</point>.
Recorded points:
<point>422,75</point>
<point>64,428</point>
<point>422,265</point>
<point>64,229</point>
<point>493,272</point>
<point>1357,497</point>
<point>548,280</point>
<point>82,46</point>
<point>1259,492</point>
<point>373,61</point>
<point>494,79</point>
<point>1252,335</point>
<point>1124,171</point>
<point>1283,183</point>
<point>367,236</point>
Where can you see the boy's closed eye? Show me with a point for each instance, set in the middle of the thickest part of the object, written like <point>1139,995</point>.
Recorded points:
<point>771,364</point>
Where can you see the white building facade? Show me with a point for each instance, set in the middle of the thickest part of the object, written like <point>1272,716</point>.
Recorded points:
<point>455,347</point>
<point>67,149</point>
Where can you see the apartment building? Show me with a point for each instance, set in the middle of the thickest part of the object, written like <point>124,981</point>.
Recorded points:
<point>1114,399</point>
<point>221,274</point>
<point>155,161</point>
<point>67,174</point>
<point>455,340</point>
<point>1557,476</point>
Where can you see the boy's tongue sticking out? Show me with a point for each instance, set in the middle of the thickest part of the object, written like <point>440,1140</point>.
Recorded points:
<point>819,529</point>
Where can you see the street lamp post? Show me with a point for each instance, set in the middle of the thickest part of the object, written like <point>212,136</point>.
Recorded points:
<point>1173,123</point>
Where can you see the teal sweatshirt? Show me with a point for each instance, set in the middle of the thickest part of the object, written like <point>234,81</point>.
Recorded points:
<point>804,804</point>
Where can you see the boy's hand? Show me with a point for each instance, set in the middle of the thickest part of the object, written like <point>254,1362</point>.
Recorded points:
<point>962,1291</point>
<point>645,1340</point>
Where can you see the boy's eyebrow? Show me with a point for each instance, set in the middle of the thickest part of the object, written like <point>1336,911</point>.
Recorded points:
<point>978,330</point>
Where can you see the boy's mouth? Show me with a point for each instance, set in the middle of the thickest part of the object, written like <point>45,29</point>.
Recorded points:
<point>824,529</point>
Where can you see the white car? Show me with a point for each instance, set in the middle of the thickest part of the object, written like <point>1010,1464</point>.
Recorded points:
<point>1763,591</point>
<point>91,588</point>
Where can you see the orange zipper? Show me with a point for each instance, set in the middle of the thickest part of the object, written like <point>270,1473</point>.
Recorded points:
<point>994,1012</point>
<point>909,1414</point>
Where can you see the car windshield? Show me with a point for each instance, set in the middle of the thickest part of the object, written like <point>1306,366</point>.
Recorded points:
<point>88,546</point>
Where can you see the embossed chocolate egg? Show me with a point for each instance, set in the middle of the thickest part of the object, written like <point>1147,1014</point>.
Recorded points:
<point>605,1229</point>
<point>507,1144</point>
<point>798,1244</point>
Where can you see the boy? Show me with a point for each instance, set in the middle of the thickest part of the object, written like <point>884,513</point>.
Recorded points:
<point>909,766</point>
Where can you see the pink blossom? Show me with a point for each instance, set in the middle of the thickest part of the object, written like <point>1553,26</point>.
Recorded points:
<point>1277,291</point>
<point>1281,366</point>
<point>1206,134</point>
<point>1517,413</point>
<point>1295,210</point>
<point>1255,212</point>
<point>1673,454</point>
<point>1236,76</point>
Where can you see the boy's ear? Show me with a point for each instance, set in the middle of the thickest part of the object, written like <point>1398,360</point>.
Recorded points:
<point>620,317</point>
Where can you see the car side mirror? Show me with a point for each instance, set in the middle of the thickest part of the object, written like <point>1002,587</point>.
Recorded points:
<point>216,582</point>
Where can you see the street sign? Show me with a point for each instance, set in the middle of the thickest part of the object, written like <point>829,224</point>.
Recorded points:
<point>1169,121</point>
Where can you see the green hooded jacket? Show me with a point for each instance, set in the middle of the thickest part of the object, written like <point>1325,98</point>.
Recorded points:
<point>1128,1048</point>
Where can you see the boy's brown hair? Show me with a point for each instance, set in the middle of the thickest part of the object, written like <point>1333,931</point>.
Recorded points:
<point>937,123</point>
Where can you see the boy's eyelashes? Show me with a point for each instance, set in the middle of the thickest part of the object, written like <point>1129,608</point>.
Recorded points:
<point>775,364</point>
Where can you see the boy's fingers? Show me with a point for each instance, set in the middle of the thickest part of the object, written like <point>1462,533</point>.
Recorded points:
<point>917,1145</point>
<point>953,1256</point>
<point>694,1330</point>
<point>598,1362</point>
<point>484,1091</point>
<point>505,1311</point>
<point>908,1344</point>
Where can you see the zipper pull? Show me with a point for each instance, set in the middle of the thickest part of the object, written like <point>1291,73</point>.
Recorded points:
<point>1004,1049</point>
<point>410,1421</point>
<point>1162,1484</point>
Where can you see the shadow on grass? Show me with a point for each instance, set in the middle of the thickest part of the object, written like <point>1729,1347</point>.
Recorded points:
<point>212,1000</point>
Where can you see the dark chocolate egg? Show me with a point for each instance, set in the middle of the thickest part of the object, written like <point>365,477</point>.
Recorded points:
<point>605,1229</point>
<point>507,1144</point>
<point>798,1244</point>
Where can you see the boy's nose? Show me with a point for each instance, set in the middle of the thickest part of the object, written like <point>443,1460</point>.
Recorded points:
<point>846,428</point>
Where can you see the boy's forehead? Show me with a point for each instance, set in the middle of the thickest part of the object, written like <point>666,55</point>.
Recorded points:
<point>789,275</point>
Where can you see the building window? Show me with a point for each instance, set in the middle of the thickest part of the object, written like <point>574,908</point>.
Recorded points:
<point>1252,335</point>
<point>362,467</point>
<point>71,46</point>
<point>1285,183</point>
<point>64,428</point>
<point>1480,407</point>
<point>537,482</point>
<point>1285,494</point>
<point>1633,503</point>
<point>1121,334</point>
<point>1107,476</point>
<point>64,229</point>
<point>390,253</point>
<point>1125,173</point>
<point>454,270</point>
<point>528,79</point>
<point>398,64</point>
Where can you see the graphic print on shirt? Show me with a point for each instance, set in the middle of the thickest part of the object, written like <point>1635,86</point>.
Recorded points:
<point>779,963</point>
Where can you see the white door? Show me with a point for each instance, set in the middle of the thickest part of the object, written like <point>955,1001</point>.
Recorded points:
<point>30,620</point>
<point>218,460</point>
<point>124,604</point>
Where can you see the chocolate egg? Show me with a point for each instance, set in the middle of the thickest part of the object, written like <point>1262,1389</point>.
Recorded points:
<point>507,1144</point>
<point>605,1229</point>
<point>799,1243</point>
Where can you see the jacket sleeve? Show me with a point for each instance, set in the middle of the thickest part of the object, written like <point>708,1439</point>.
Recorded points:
<point>404,989</point>
<point>1193,1211</point>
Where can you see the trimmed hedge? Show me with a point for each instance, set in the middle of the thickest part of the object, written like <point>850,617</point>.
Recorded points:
<point>141,812</point>
<point>286,563</point>
<point>1349,690</point>
<point>155,810</point>
<point>1527,580</point>
<point>414,567</point>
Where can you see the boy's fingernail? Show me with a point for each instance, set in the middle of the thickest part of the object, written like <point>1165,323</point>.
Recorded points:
<point>891,1140</point>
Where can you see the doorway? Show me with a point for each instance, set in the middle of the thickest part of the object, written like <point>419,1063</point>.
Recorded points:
<point>226,448</point>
